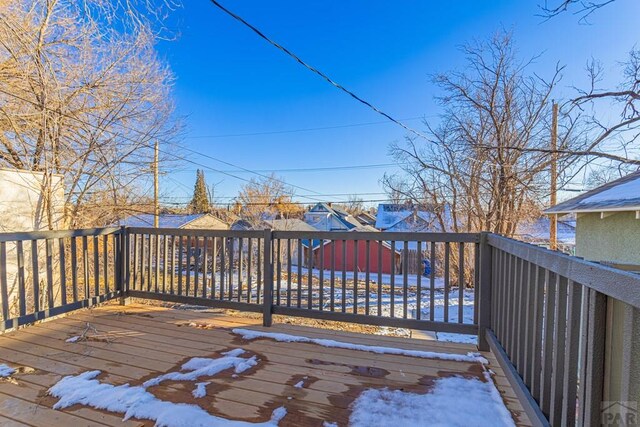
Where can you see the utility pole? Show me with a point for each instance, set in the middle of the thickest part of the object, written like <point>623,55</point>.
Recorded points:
<point>156,187</point>
<point>553,220</point>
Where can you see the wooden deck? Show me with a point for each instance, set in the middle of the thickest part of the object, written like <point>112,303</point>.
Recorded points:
<point>138,342</point>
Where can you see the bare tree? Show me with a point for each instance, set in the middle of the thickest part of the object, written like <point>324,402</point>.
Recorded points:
<point>83,94</point>
<point>354,205</point>
<point>267,198</point>
<point>485,165</point>
<point>583,8</point>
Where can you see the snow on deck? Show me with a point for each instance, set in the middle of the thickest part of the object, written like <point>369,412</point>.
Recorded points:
<point>156,367</point>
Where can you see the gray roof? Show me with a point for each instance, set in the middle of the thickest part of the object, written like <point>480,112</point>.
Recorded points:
<point>292,224</point>
<point>164,220</point>
<point>620,195</point>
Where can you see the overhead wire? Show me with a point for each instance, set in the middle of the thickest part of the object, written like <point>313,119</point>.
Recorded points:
<point>315,70</point>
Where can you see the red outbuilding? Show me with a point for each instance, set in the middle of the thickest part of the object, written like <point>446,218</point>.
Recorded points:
<point>341,255</point>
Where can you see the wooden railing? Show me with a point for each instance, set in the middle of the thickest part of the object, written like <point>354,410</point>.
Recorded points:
<point>354,277</point>
<point>541,313</point>
<point>44,274</point>
<point>548,321</point>
<point>367,277</point>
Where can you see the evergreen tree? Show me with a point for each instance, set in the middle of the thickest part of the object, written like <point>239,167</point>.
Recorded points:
<point>200,201</point>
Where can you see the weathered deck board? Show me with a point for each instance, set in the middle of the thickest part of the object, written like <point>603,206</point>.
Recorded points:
<point>149,340</point>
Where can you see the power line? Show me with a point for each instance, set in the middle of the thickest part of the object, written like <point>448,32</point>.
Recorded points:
<point>278,132</point>
<point>318,169</point>
<point>150,145</point>
<point>315,70</point>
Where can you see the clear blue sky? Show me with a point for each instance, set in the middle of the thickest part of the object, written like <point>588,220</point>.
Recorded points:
<point>231,82</point>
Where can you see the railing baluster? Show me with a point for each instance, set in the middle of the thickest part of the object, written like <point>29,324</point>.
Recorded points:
<point>250,270</point>
<point>356,272</point>
<point>85,269</point>
<point>105,261</point>
<point>476,279</point>
<point>310,275</point>
<point>547,354</point>
<point>134,260</point>
<point>74,268</point>
<point>300,277</point>
<point>35,273</point>
<point>333,276</point>
<point>157,264</point>
<point>223,274</point>
<point>528,320</point>
<point>288,272</point>
<point>165,261</point>
<point>419,282</point>
<point>517,310</point>
<point>259,270</point>
<point>189,253</point>
<point>205,266</point>
<point>380,271</point>
<point>461,282</point>
<point>49,263</point>
<point>570,368</point>
<point>344,276</point>
<point>180,263</point>
<point>321,276</point>
<point>196,265</point>
<point>447,264</point>
<point>22,294</point>
<point>405,279</point>
<point>559,341</point>
<point>240,261</point>
<point>594,378</point>
<point>508,325</point>
<point>278,269</point>
<point>63,271</point>
<point>172,283</point>
<point>538,306</point>
<point>149,262</point>
<point>214,266</point>
<point>367,276</point>
<point>432,283</point>
<point>4,293</point>
<point>392,291</point>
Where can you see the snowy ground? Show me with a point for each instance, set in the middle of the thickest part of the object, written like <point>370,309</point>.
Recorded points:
<point>388,304</point>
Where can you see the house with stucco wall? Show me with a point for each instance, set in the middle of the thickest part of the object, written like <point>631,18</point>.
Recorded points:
<point>608,231</point>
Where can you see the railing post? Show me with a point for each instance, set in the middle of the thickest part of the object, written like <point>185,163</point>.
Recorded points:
<point>123,265</point>
<point>267,295</point>
<point>483,293</point>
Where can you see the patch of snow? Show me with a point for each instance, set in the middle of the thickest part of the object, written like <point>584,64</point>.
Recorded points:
<point>202,366</point>
<point>137,402</point>
<point>459,338</point>
<point>328,424</point>
<point>482,406</point>
<point>73,339</point>
<point>626,191</point>
<point>6,371</point>
<point>200,390</point>
<point>469,357</point>
<point>299,384</point>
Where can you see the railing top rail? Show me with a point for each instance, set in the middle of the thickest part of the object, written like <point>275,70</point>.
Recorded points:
<point>57,234</point>
<point>255,234</point>
<point>326,235</point>
<point>621,285</point>
<point>384,235</point>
